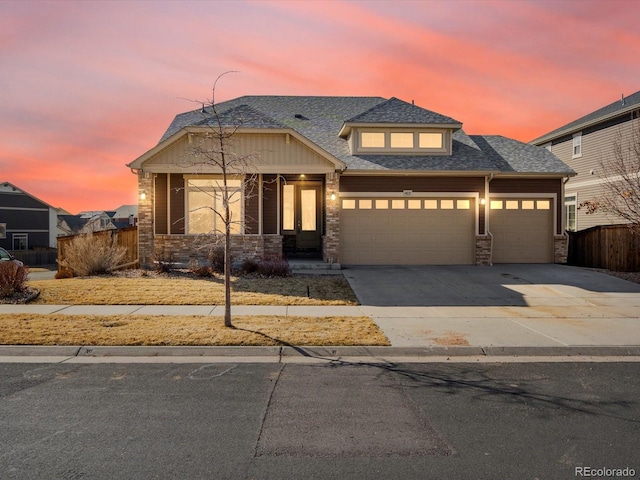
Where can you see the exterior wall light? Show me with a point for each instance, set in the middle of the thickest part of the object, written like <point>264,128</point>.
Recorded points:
<point>143,195</point>
<point>482,201</point>
<point>333,196</point>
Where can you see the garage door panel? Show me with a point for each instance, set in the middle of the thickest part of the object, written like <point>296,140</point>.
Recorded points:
<point>402,235</point>
<point>522,235</point>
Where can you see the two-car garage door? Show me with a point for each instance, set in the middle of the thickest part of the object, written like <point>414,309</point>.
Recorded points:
<point>402,231</point>
<point>441,231</point>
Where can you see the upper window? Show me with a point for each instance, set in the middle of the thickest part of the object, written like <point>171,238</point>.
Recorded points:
<point>205,208</point>
<point>577,145</point>
<point>401,140</point>
<point>431,140</point>
<point>3,230</point>
<point>398,141</point>
<point>372,140</point>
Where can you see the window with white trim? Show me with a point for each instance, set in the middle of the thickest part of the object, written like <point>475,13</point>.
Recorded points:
<point>205,207</point>
<point>390,141</point>
<point>577,145</point>
<point>570,207</point>
<point>3,230</point>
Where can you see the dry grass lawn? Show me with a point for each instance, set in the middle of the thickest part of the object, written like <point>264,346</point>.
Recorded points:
<point>58,329</point>
<point>323,290</point>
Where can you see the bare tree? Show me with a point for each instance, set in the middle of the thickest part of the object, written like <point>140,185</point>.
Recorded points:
<point>214,151</point>
<point>621,180</point>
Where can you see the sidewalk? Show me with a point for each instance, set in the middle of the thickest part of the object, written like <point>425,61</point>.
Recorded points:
<point>416,333</point>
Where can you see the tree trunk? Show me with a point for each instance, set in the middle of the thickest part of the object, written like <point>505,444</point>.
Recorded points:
<point>227,277</point>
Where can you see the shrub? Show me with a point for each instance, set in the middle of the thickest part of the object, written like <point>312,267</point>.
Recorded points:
<point>12,279</point>
<point>92,255</point>
<point>203,271</point>
<point>274,266</point>
<point>249,266</point>
<point>163,260</point>
<point>216,259</point>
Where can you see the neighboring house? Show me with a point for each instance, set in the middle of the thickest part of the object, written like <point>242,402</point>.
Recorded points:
<point>26,222</point>
<point>125,216</point>
<point>354,180</point>
<point>583,144</point>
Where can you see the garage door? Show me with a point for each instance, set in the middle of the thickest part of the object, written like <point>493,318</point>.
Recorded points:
<point>522,230</point>
<point>386,231</point>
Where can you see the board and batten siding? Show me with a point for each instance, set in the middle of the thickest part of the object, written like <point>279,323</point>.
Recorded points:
<point>264,152</point>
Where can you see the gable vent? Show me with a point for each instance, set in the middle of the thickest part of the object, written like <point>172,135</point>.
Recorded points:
<point>299,116</point>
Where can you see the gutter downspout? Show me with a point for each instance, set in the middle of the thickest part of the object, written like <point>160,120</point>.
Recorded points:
<point>487,203</point>
<point>563,220</point>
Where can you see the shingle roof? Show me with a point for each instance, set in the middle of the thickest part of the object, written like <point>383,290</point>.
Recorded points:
<point>320,119</point>
<point>397,111</point>
<point>605,112</point>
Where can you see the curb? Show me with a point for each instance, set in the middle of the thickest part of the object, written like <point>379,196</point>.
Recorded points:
<point>316,352</point>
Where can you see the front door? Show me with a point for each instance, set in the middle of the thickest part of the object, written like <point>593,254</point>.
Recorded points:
<point>302,216</point>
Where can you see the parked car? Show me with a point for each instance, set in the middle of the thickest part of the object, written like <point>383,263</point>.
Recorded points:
<point>7,257</point>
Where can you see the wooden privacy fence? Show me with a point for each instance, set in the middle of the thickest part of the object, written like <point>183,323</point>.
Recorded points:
<point>614,247</point>
<point>126,237</point>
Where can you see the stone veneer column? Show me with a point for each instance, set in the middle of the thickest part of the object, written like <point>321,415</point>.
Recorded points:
<point>560,248</point>
<point>331,239</point>
<point>483,250</point>
<point>145,219</point>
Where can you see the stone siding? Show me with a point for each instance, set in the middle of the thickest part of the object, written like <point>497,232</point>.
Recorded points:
<point>560,248</point>
<point>331,238</point>
<point>483,249</point>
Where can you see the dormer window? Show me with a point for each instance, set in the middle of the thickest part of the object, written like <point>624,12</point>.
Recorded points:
<point>390,141</point>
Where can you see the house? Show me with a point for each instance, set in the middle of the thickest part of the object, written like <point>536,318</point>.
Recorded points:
<point>95,221</point>
<point>352,180</point>
<point>583,144</point>
<point>26,222</point>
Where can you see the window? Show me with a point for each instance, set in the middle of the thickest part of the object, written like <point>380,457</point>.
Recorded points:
<point>528,204</point>
<point>570,202</point>
<point>365,204</point>
<point>394,140</point>
<point>20,241</point>
<point>288,208</point>
<point>577,145</point>
<point>431,204</point>
<point>348,204</point>
<point>3,230</point>
<point>463,204</point>
<point>496,204</point>
<point>401,140</point>
<point>511,204</point>
<point>372,139</point>
<point>414,204</point>
<point>205,207</point>
<point>543,204</point>
<point>430,140</point>
<point>382,204</point>
<point>446,204</point>
<point>397,204</point>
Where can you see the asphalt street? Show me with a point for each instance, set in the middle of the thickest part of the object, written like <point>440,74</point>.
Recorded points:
<point>317,421</point>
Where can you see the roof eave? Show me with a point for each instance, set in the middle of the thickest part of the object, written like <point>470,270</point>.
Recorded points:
<point>547,137</point>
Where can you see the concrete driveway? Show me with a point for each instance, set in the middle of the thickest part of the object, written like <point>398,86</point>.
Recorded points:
<point>503,305</point>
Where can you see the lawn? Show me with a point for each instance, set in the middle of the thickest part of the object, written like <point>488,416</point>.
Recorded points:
<point>58,329</point>
<point>149,290</point>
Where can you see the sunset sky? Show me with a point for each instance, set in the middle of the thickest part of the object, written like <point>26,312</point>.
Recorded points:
<point>86,87</point>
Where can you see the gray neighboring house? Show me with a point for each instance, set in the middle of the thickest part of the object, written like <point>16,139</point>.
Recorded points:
<point>353,181</point>
<point>26,222</point>
<point>583,144</point>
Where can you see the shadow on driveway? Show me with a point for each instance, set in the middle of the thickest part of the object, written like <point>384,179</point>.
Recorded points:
<point>468,285</point>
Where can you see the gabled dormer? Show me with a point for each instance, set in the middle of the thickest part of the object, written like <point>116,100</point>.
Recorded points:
<point>396,127</point>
